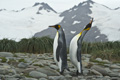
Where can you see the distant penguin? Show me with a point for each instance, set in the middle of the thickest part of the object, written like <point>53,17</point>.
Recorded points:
<point>59,49</point>
<point>75,48</point>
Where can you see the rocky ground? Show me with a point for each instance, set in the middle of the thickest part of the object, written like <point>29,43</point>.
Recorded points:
<point>26,66</point>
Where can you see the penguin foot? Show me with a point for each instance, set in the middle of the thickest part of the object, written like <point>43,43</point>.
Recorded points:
<point>68,69</point>
<point>62,72</point>
<point>79,74</point>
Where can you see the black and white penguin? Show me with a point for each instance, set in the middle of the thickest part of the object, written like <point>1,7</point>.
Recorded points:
<point>75,48</point>
<point>59,49</point>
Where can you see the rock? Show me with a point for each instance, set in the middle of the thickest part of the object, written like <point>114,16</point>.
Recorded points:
<point>113,74</point>
<point>19,70</point>
<point>1,76</point>
<point>99,59</point>
<point>36,74</point>
<point>86,55</point>
<point>87,60</point>
<point>3,71</point>
<point>119,74</point>
<point>82,79</point>
<point>107,77</point>
<point>6,54</point>
<point>29,79</point>
<point>12,71</point>
<point>19,54</point>
<point>68,76</point>
<point>33,56</point>
<point>85,64</point>
<point>116,70</point>
<point>75,78</point>
<point>106,61</point>
<point>86,71</point>
<point>39,63</point>
<point>54,67</point>
<point>95,72</point>
<point>115,66</point>
<point>100,70</point>
<point>27,70</point>
<point>56,78</point>
<point>17,76</point>
<point>11,78</point>
<point>42,79</point>
<point>48,71</point>
<point>107,65</point>
<point>28,60</point>
<point>115,78</point>
<point>6,66</point>
<point>108,70</point>
<point>0,60</point>
<point>23,65</point>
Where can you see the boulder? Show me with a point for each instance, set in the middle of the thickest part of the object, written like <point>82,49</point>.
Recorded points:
<point>36,74</point>
<point>48,71</point>
<point>23,65</point>
<point>100,70</point>
<point>6,54</point>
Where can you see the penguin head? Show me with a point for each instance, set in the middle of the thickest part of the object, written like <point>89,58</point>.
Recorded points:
<point>88,26</point>
<point>56,26</point>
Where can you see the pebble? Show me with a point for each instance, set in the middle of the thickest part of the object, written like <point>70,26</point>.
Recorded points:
<point>115,66</point>
<point>54,67</point>
<point>6,54</point>
<point>23,65</point>
<point>36,74</point>
<point>98,59</point>
<point>42,79</point>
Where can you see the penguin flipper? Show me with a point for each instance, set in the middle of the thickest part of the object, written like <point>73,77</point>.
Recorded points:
<point>58,51</point>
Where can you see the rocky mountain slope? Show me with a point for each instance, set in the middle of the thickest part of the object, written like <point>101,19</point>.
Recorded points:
<point>105,26</point>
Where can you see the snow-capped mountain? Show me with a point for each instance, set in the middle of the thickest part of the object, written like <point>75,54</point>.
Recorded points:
<point>106,26</point>
<point>27,21</point>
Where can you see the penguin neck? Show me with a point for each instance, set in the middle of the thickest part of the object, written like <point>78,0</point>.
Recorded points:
<point>60,30</point>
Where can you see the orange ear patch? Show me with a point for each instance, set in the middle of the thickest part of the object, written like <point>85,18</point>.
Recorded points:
<point>59,26</point>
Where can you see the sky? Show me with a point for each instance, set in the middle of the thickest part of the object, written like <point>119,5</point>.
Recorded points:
<point>58,5</point>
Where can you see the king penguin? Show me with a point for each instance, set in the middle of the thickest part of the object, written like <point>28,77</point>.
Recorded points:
<point>59,49</point>
<point>75,48</point>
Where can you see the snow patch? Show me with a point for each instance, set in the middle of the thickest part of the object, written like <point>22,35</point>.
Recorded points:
<point>73,32</point>
<point>74,16</point>
<point>97,37</point>
<point>84,4</point>
<point>76,22</point>
<point>106,20</point>
<point>70,11</point>
<point>75,9</point>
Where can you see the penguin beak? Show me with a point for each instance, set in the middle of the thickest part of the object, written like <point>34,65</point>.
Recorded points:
<point>52,26</point>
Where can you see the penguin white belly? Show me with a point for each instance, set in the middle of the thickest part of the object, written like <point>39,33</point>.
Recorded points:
<point>73,51</point>
<point>55,45</point>
<point>54,53</point>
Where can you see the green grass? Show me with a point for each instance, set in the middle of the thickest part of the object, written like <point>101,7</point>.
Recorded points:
<point>31,45</point>
<point>104,50</point>
<point>98,62</point>
<point>3,59</point>
<point>22,60</point>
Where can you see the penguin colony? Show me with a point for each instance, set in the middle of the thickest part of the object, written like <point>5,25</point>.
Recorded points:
<point>60,51</point>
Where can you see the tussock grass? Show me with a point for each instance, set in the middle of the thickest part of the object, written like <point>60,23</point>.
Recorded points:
<point>32,45</point>
<point>104,50</point>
